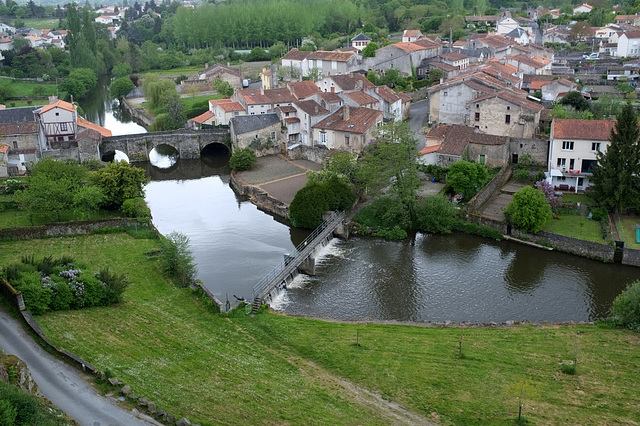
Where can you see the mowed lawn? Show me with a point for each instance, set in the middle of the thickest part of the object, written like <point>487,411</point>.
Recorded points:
<point>170,347</point>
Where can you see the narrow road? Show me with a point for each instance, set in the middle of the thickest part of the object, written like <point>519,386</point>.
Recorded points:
<point>418,111</point>
<point>62,384</point>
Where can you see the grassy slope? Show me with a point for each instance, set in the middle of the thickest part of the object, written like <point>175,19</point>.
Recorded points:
<point>215,369</point>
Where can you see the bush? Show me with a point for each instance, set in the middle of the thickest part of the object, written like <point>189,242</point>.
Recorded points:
<point>522,175</point>
<point>437,172</point>
<point>383,217</point>
<point>136,208</point>
<point>599,213</point>
<point>18,407</point>
<point>308,206</point>
<point>529,210</point>
<point>242,159</point>
<point>436,214</point>
<point>12,185</point>
<point>626,306</point>
<point>177,258</point>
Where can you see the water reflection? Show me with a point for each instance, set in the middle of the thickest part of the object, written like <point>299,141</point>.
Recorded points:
<point>163,156</point>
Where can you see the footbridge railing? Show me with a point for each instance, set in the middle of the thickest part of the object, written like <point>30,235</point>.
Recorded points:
<point>292,261</point>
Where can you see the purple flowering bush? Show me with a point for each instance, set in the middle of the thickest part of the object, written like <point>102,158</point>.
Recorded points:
<point>555,201</point>
<point>49,285</point>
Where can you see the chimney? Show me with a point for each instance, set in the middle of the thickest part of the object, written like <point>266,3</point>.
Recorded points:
<point>262,90</point>
<point>346,116</point>
<point>206,65</point>
<point>53,98</point>
<point>359,85</point>
<point>316,108</point>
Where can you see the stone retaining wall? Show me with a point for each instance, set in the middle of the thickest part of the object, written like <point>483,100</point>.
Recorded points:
<point>317,154</point>
<point>489,189</point>
<point>67,228</point>
<point>630,257</point>
<point>138,114</point>
<point>260,198</point>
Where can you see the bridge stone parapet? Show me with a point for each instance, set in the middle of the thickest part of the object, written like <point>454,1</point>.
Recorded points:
<point>188,143</point>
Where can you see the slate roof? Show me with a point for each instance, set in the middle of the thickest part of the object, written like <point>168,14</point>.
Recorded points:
<point>360,37</point>
<point>360,120</point>
<point>11,115</point>
<point>598,130</point>
<point>250,123</point>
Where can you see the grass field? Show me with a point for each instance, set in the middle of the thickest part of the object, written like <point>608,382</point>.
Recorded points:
<point>576,226</point>
<point>175,72</point>
<point>627,230</point>
<point>170,347</point>
<point>40,24</point>
<point>28,89</point>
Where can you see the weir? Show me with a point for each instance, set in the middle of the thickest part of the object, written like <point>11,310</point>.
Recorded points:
<point>302,259</point>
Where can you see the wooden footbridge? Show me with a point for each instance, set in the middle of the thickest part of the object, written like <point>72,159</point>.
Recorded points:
<point>301,259</point>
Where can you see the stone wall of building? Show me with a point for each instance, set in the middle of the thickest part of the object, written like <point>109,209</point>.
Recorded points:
<point>537,148</point>
<point>317,154</point>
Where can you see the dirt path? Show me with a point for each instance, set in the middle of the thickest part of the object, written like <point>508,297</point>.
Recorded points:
<point>388,410</point>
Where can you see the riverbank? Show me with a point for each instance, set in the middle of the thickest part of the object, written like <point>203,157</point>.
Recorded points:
<point>138,113</point>
<point>278,368</point>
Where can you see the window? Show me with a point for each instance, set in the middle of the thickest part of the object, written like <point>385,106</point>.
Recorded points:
<point>444,93</point>
<point>323,138</point>
<point>507,119</point>
<point>57,114</point>
<point>562,162</point>
<point>595,146</point>
<point>273,135</point>
<point>15,144</point>
<point>567,146</point>
<point>508,108</point>
<point>572,163</point>
<point>477,116</point>
<point>346,140</point>
<point>482,159</point>
<point>477,105</point>
<point>63,127</point>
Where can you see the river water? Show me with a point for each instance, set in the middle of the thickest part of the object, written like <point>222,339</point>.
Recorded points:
<point>432,278</point>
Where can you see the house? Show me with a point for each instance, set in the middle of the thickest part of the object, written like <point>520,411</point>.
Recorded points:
<point>264,129</point>
<point>551,87</point>
<point>303,89</point>
<point>332,63</point>
<point>505,114</point>
<point>449,71</point>
<point>392,104</point>
<point>19,134</point>
<point>411,36</point>
<point>344,83</point>
<point>7,29</point>
<point>359,99</point>
<point>629,44</point>
<point>225,73</point>
<point>556,34</point>
<point>505,25</point>
<point>348,128</point>
<point>482,20</point>
<point>224,110</point>
<point>628,19</point>
<point>35,41</point>
<point>262,101</point>
<point>623,72</point>
<point>296,60</point>
<point>329,100</point>
<point>6,44</point>
<point>456,59</point>
<point>519,35</point>
<point>537,66</point>
<point>447,143</point>
<point>203,120</point>
<point>403,56</point>
<point>573,148</point>
<point>498,46</point>
<point>307,113</point>
<point>583,8</point>
<point>265,78</point>
<point>360,41</point>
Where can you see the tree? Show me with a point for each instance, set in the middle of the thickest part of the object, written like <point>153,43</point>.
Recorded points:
<point>580,30</point>
<point>242,159</point>
<point>626,306</point>
<point>616,175</point>
<point>523,390</point>
<point>576,100</point>
<point>369,50</point>
<point>390,162</point>
<point>120,181</point>
<point>467,178</point>
<point>121,87</point>
<point>177,258</point>
<point>222,87</point>
<point>121,70</point>
<point>79,82</point>
<point>52,187</point>
<point>529,210</point>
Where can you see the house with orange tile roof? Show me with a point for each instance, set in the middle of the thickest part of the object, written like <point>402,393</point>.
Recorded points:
<point>392,104</point>
<point>360,99</point>
<point>296,60</point>
<point>445,145</point>
<point>207,118</point>
<point>344,83</point>
<point>303,89</point>
<point>573,149</point>
<point>332,62</point>
<point>411,36</point>
<point>223,110</point>
<point>538,66</point>
<point>348,128</point>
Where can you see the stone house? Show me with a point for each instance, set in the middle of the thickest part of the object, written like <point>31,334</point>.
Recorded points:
<point>505,25</point>
<point>329,100</point>
<point>426,65</point>
<point>303,89</point>
<point>556,34</point>
<point>344,83</point>
<point>411,36</point>
<point>300,122</point>
<point>456,59</point>
<point>225,73</point>
<point>223,110</point>
<point>497,46</point>
<point>22,147</point>
<point>201,121</point>
<point>262,101</point>
<point>573,148</point>
<point>265,129</point>
<point>391,103</point>
<point>449,143</point>
<point>403,56</point>
<point>505,114</point>
<point>552,90</point>
<point>332,63</point>
<point>348,129</point>
<point>537,66</point>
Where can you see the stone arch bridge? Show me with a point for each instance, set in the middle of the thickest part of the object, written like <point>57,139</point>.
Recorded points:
<point>188,143</point>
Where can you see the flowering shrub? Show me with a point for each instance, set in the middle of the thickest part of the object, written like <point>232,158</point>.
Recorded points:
<point>555,201</point>
<point>52,285</point>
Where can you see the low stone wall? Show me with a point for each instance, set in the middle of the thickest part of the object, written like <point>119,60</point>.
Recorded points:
<point>68,228</point>
<point>489,223</point>
<point>489,189</point>
<point>260,198</point>
<point>138,114</point>
<point>630,257</point>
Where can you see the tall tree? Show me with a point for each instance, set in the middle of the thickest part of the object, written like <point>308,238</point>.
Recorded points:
<point>616,177</point>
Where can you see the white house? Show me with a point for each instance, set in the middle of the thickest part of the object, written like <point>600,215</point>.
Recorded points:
<point>297,60</point>
<point>629,44</point>
<point>506,25</point>
<point>411,36</point>
<point>573,151</point>
<point>360,41</point>
<point>583,8</point>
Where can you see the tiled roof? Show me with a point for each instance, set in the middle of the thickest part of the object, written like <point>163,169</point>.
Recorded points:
<point>292,119</point>
<point>296,55</point>
<point>429,44</point>
<point>497,41</point>
<point>443,66</point>
<point>279,95</point>
<point>303,89</point>
<point>360,98</point>
<point>386,93</point>
<point>411,33</point>
<point>330,97</point>
<point>19,128</point>
<point>455,138</point>
<point>632,34</point>
<point>202,118</point>
<point>490,18</point>
<point>311,107</point>
<point>598,130</point>
<point>350,81</point>
<point>331,56</point>
<point>231,106</point>
<point>453,56</point>
<point>250,123</point>
<point>214,102</point>
<point>58,104</point>
<point>89,125</point>
<point>360,120</point>
<point>524,103</point>
<point>266,97</point>
<point>217,69</point>
<point>525,60</point>
<point>408,46</point>
<point>286,108</point>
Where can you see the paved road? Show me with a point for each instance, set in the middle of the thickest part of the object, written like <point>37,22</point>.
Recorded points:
<point>62,384</point>
<point>418,111</point>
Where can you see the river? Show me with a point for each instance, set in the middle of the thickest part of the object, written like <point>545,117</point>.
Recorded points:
<point>433,278</point>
